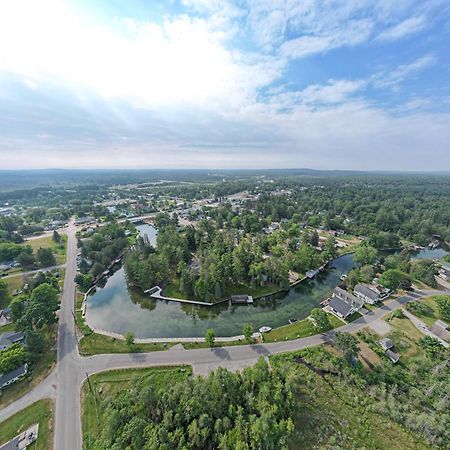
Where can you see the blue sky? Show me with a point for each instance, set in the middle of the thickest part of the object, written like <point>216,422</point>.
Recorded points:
<point>354,84</point>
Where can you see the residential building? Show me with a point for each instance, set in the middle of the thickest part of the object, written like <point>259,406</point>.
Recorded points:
<point>386,343</point>
<point>344,303</point>
<point>10,338</point>
<point>366,293</point>
<point>11,377</point>
<point>392,356</point>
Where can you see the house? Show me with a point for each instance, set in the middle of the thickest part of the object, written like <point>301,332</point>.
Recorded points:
<point>10,338</point>
<point>366,293</point>
<point>444,273</point>
<point>241,299</point>
<point>11,377</point>
<point>392,356</point>
<point>343,303</point>
<point>386,343</point>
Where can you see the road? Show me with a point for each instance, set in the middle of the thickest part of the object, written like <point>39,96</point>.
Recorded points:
<point>64,383</point>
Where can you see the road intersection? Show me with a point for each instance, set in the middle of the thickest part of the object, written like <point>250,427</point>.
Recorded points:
<point>64,383</point>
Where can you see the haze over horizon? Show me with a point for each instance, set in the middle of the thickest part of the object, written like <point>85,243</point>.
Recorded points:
<point>355,85</point>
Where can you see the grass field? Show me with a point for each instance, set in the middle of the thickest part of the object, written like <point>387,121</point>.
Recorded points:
<point>300,329</point>
<point>95,344</point>
<point>40,412</point>
<point>432,312</point>
<point>109,383</point>
<point>59,250</point>
<point>15,282</point>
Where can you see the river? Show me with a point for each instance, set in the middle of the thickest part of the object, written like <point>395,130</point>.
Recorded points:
<point>118,308</point>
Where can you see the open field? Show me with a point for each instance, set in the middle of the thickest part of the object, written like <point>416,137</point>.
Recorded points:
<point>59,250</point>
<point>112,382</point>
<point>40,412</point>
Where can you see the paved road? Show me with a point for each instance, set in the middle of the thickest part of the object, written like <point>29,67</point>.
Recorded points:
<point>71,369</point>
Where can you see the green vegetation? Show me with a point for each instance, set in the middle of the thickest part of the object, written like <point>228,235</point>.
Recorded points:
<point>40,412</point>
<point>107,385</point>
<point>225,410</point>
<point>427,309</point>
<point>340,407</point>
<point>210,337</point>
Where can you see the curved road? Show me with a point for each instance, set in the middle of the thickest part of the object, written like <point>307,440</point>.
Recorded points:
<point>64,383</point>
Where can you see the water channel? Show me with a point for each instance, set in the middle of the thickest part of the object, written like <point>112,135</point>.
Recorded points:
<point>118,308</point>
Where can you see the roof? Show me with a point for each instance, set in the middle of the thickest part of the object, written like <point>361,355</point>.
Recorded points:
<point>16,373</point>
<point>386,343</point>
<point>340,306</point>
<point>9,338</point>
<point>366,290</point>
<point>392,356</point>
<point>347,296</point>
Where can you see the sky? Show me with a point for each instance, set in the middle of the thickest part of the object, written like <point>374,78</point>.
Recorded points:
<point>324,84</point>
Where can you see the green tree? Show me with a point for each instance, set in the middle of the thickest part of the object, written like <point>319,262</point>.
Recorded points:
<point>321,320</point>
<point>391,278</point>
<point>129,339</point>
<point>348,345</point>
<point>210,337</point>
<point>247,332</point>
<point>41,308</point>
<point>5,296</point>
<point>365,254</point>
<point>45,257</point>
<point>443,303</point>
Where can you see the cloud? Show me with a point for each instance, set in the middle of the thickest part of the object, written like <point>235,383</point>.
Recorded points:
<point>395,77</point>
<point>408,27</point>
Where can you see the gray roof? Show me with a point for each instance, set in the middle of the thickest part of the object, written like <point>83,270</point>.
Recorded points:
<point>347,296</point>
<point>392,356</point>
<point>340,306</point>
<point>386,343</point>
<point>365,290</point>
<point>6,377</point>
<point>11,337</point>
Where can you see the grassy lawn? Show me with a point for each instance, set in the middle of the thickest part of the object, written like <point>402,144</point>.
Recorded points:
<point>431,311</point>
<point>352,317</point>
<point>40,412</point>
<point>110,383</point>
<point>404,336</point>
<point>38,372</point>
<point>15,282</point>
<point>194,345</point>
<point>96,344</point>
<point>300,329</point>
<point>47,242</point>
<point>7,328</point>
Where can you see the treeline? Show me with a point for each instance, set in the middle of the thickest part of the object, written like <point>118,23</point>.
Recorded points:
<point>33,313</point>
<point>380,208</point>
<point>248,410</point>
<point>99,250</point>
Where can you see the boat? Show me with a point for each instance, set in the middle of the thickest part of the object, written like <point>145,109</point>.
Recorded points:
<point>343,277</point>
<point>291,321</point>
<point>264,329</point>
